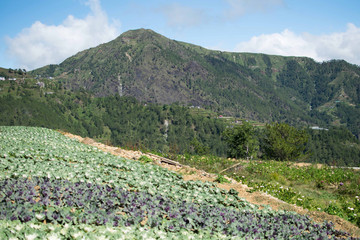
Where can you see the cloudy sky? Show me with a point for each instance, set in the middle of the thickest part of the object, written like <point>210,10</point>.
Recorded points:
<point>40,32</point>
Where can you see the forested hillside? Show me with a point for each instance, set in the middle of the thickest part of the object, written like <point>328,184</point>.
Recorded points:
<point>167,129</point>
<point>117,120</point>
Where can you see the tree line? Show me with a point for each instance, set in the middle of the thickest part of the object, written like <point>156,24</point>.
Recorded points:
<point>170,129</point>
<point>336,146</point>
<point>278,141</point>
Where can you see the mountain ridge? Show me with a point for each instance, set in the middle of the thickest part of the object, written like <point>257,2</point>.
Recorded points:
<point>152,68</point>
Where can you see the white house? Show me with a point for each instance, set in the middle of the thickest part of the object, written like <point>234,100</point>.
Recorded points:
<point>319,128</point>
<point>41,84</point>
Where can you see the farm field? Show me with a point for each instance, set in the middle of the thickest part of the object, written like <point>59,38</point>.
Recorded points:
<point>54,187</point>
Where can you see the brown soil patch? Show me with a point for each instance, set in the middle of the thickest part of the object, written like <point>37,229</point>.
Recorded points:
<point>257,198</point>
<point>308,165</point>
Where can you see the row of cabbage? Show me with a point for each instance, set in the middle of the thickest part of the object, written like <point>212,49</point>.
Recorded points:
<point>37,152</point>
<point>63,202</point>
<point>13,230</point>
<point>48,179</point>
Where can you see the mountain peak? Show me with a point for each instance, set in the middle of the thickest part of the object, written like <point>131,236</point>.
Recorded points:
<point>133,36</point>
<point>140,31</point>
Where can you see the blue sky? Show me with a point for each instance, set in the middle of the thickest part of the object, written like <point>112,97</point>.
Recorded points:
<point>40,32</point>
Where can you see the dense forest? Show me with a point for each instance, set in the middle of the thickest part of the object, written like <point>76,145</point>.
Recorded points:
<point>336,146</point>
<point>167,129</point>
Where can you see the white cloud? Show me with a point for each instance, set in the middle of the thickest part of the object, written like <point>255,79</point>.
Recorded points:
<point>182,16</point>
<point>241,7</point>
<point>43,44</point>
<point>342,45</point>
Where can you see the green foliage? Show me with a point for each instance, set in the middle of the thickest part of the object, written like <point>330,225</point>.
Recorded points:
<point>221,179</point>
<point>284,142</point>
<point>145,159</point>
<point>335,146</point>
<point>287,194</point>
<point>241,141</point>
<point>320,184</point>
<point>332,190</point>
<point>333,209</point>
<point>199,148</point>
<point>208,163</point>
<point>350,117</point>
<point>296,77</point>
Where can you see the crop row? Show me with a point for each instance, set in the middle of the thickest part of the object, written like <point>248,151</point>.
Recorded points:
<point>37,152</point>
<point>62,202</point>
<point>14,230</point>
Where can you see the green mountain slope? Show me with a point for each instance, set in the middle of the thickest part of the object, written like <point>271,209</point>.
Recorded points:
<point>153,68</point>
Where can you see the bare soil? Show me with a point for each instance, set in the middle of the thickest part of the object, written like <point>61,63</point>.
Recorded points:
<point>258,198</point>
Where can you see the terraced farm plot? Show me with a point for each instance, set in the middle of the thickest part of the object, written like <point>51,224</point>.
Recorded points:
<point>53,187</point>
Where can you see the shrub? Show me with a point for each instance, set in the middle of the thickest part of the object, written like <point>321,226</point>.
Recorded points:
<point>221,179</point>
<point>145,159</point>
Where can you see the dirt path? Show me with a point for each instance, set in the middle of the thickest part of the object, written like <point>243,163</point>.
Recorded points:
<point>257,198</point>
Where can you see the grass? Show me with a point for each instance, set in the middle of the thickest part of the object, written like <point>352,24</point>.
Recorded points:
<point>332,190</point>
<point>210,164</point>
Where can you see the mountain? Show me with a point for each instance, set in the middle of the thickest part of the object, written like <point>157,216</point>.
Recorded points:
<point>152,68</point>
<point>82,95</point>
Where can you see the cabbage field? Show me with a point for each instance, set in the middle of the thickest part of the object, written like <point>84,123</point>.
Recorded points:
<point>53,187</point>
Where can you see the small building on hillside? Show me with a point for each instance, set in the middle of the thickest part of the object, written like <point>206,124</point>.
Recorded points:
<point>319,128</point>
<point>41,84</point>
